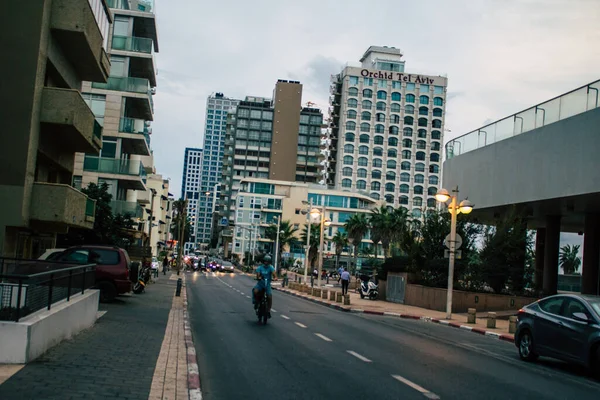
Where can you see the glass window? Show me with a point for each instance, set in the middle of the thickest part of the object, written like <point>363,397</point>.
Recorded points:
<point>381,83</point>
<point>423,111</point>
<point>435,146</point>
<point>405,166</point>
<point>424,99</point>
<point>430,203</point>
<point>437,112</point>
<point>420,167</point>
<point>380,117</point>
<point>364,138</point>
<point>363,161</point>
<point>404,200</point>
<point>352,103</point>
<point>396,85</point>
<point>363,150</point>
<point>109,149</point>
<point>353,80</point>
<point>395,107</point>
<point>360,184</point>
<point>433,180</point>
<point>348,148</point>
<point>346,183</point>
<point>406,155</point>
<point>422,134</point>
<point>552,305</point>
<point>390,187</point>
<point>368,81</point>
<point>364,127</point>
<point>376,174</point>
<point>392,141</point>
<point>419,178</point>
<point>409,120</point>
<point>420,155</point>
<point>431,191</point>
<point>374,196</point>
<point>434,157</point>
<point>404,177</point>
<point>438,90</point>
<point>378,151</point>
<point>396,96</point>
<point>381,94</point>
<point>121,26</point>
<point>351,115</point>
<point>410,98</point>
<point>375,186</point>
<point>361,173</point>
<point>367,93</point>
<point>436,123</point>
<point>395,119</point>
<point>390,176</point>
<point>422,121</point>
<point>391,164</point>
<point>380,106</point>
<point>404,188</point>
<point>348,160</point>
<point>379,128</point>
<point>434,169</point>
<point>350,125</point>
<point>367,104</point>
<point>417,201</point>
<point>365,116</point>
<point>407,143</point>
<point>407,132</point>
<point>438,101</point>
<point>392,153</point>
<point>421,144</point>
<point>349,137</point>
<point>377,162</point>
<point>394,130</point>
<point>352,91</point>
<point>378,140</point>
<point>117,66</point>
<point>424,88</point>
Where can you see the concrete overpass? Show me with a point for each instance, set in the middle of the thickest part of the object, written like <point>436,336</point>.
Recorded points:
<point>546,161</point>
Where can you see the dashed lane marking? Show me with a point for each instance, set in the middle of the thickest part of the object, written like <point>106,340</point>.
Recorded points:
<point>325,338</point>
<point>285,316</point>
<point>355,354</point>
<point>418,388</point>
<point>300,325</point>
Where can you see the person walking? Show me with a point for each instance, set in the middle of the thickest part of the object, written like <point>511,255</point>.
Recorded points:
<point>345,277</point>
<point>165,264</point>
<point>339,271</point>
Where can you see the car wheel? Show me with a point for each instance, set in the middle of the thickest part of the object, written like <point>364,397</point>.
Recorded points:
<point>108,291</point>
<point>526,346</point>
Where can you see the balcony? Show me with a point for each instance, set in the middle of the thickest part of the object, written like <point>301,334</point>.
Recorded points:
<point>69,121</point>
<point>127,207</point>
<point>143,13</point>
<point>130,173</point>
<point>75,28</point>
<point>132,43</point>
<point>138,94</point>
<point>58,207</point>
<point>141,59</point>
<point>134,135</point>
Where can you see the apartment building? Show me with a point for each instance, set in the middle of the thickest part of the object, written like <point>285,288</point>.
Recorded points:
<point>387,130</point>
<point>190,190</point>
<point>270,138</point>
<point>159,213</point>
<point>123,105</point>
<point>260,202</point>
<point>49,47</point>
<point>218,108</point>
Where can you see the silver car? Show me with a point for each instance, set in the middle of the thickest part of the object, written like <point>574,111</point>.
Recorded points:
<point>566,327</point>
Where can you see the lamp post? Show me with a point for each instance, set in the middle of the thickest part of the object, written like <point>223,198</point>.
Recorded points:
<point>308,211</point>
<point>277,242</point>
<point>454,208</point>
<point>324,222</point>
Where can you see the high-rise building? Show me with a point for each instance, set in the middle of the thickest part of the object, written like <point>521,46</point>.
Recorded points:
<point>50,47</point>
<point>386,130</point>
<point>190,185</point>
<point>217,108</point>
<point>124,107</point>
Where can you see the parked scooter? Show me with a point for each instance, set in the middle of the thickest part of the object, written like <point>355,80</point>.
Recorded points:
<point>142,280</point>
<point>368,289</point>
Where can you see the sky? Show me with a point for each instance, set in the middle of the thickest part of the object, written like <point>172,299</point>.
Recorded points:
<point>500,56</point>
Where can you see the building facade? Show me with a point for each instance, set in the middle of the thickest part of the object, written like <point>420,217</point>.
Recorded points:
<point>217,109</point>
<point>190,190</point>
<point>386,131</point>
<point>261,202</point>
<point>260,146</point>
<point>51,47</point>
<point>159,213</point>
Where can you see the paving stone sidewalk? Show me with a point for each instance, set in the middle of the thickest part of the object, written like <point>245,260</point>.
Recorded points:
<point>114,359</point>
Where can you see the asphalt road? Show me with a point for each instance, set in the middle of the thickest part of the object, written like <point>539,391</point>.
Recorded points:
<point>308,351</point>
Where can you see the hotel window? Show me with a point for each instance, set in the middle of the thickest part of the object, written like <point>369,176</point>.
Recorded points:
<point>361,173</point>
<point>380,117</point>
<point>392,153</point>
<point>361,184</point>
<point>351,115</point>
<point>393,141</point>
<point>424,88</point>
<point>419,178</point>
<point>376,174</point>
<point>396,96</point>
<point>395,107</point>
<point>424,99</point>
<point>348,160</point>
<point>437,112</point>
<point>365,116</point>
<point>406,154</point>
<point>423,111</point>
<point>394,130</point>
<point>368,93</point>
<point>346,183</point>
<point>347,171</point>
<point>436,123</point>
<point>438,90</point>
<point>366,104</point>
<point>407,132</point>
<point>379,128</point>
<point>422,133</point>
<point>364,127</point>
<point>374,196</point>
<point>404,177</point>
<point>381,95</point>
<point>368,81</point>
<point>363,161</point>
<point>422,121</point>
<point>433,180</point>
<point>420,156</point>
<point>434,169</point>
<point>404,200</point>
<point>395,119</point>
<point>431,191</point>
<point>364,138</point>
<point>352,103</point>
<point>350,125</point>
<point>378,140</point>
<point>409,120</point>
<point>434,157</point>
<point>396,85</point>
<point>410,98</point>
<point>410,87</point>
<point>381,83</point>
<point>405,166</point>
<point>391,164</point>
<point>353,80</point>
<point>407,143</point>
<point>420,167</point>
<point>348,148</point>
<point>349,137</point>
<point>378,151</point>
<point>431,203</point>
<point>390,187</point>
<point>377,163</point>
<point>421,145</point>
<point>438,101</point>
<point>390,176</point>
<point>380,106</point>
<point>404,189</point>
<point>417,202</point>
<point>418,189</point>
<point>375,186</point>
<point>435,146</point>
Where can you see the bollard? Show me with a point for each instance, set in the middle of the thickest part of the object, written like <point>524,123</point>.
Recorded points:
<point>324,294</point>
<point>179,285</point>
<point>338,297</point>
<point>332,295</point>
<point>491,322</point>
<point>471,315</point>
<point>512,324</point>
<point>317,293</point>
<point>346,299</point>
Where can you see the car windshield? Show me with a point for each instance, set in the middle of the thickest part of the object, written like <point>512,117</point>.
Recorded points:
<point>595,305</point>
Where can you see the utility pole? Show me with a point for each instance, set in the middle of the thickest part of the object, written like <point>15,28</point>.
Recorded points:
<point>181,244</point>
<point>151,218</point>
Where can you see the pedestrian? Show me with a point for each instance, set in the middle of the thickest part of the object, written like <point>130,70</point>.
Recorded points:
<point>339,271</point>
<point>345,277</point>
<point>165,264</point>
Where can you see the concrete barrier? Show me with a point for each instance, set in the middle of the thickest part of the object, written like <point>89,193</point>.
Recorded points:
<point>471,316</point>
<point>346,299</point>
<point>332,295</point>
<point>317,293</point>
<point>491,321</point>
<point>512,324</point>
<point>324,294</point>
<point>338,297</point>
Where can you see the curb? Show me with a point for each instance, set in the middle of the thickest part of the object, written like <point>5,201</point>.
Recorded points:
<point>193,375</point>
<point>500,336</point>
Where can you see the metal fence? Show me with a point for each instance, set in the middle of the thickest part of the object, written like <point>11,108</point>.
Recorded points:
<point>27,286</point>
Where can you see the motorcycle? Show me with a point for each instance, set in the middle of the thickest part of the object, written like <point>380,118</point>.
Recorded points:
<point>142,280</point>
<point>369,289</point>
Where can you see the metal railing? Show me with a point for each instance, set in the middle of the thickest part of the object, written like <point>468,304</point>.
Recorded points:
<point>27,286</point>
<point>90,207</point>
<point>132,43</point>
<point>114,166</point>
<point>125,84</point>
<point>564,106</point>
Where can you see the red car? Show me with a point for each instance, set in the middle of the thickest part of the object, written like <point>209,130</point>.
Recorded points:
<point>112,267</point>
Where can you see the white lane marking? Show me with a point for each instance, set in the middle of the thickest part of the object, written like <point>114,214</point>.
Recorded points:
<point>413,385</point>
<point>247,296</point>
<point>243,294</point>
<point>362,358</point>
<point>274,310</point>
<point>285,316</point>
<point>325,338</point>
<point>300,325</point>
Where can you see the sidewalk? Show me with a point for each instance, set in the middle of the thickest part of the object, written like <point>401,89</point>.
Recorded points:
<point>379,307</point>
<point>138,343</point>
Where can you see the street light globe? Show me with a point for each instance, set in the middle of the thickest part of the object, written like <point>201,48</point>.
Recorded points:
<point>327,222</point>
<point>465,207</point>
<point>442,195</point>
<point>315,212</point>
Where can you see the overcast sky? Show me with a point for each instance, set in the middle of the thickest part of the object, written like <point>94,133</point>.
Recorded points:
<point>500,56</point>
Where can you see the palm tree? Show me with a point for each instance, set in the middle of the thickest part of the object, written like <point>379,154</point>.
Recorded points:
<point>569,259</point>
<point>340,239</point>
<point>287,235</point>
<point>387,226</point>
<point>357,227</point>
<point>315,238</point>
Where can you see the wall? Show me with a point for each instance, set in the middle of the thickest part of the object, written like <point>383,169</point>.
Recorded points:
<point>435,299</point>
<point>24,341</point>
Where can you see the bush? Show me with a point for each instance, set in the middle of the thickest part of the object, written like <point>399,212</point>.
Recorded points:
<point>394,264</point>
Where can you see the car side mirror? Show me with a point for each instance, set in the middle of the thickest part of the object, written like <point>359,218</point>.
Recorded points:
<point>578,316</point>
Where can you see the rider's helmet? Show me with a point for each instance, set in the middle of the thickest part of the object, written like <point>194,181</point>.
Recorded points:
<point>267,259</point>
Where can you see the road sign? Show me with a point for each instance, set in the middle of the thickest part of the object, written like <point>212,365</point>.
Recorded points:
<point>224,222</point>
<point>457,244</point>
<point>457,254</point>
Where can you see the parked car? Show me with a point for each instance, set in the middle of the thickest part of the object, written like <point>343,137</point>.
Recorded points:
<point>50,254</point>
<point>155,263</point>
<point>112,267</point>
<point>566,327</point>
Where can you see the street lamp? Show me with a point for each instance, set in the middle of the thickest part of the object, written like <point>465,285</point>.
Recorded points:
<point>324,222</point>
<point>310,213</point>
<point>454,208</point>
<point>277,241</point>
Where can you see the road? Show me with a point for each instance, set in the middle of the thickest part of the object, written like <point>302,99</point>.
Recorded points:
<point>308,351</point>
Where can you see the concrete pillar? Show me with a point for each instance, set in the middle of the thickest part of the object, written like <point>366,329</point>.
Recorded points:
<point>540,243</point>
<point>551,254</point>
<point>591,255</point>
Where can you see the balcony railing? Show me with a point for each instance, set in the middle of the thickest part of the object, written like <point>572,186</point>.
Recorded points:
<point>132,125</point>
<point>127,207</point>
<point>114,166</point>
<point>90,207</point>
<point>132,43</point>
<point>136,5</point>
<point>125,84</point>
<point>97,129</point>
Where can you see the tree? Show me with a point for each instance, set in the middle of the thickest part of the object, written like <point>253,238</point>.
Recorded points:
<point>287,235</point>
<point>387,226</point>
<point>357,227</point>
<point>315,237</point>
<point>178,213</point>
<point>340,239</point>
<point>569,259</point>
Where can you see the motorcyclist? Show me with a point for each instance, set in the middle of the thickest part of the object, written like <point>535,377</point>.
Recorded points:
<point>264,274</point>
